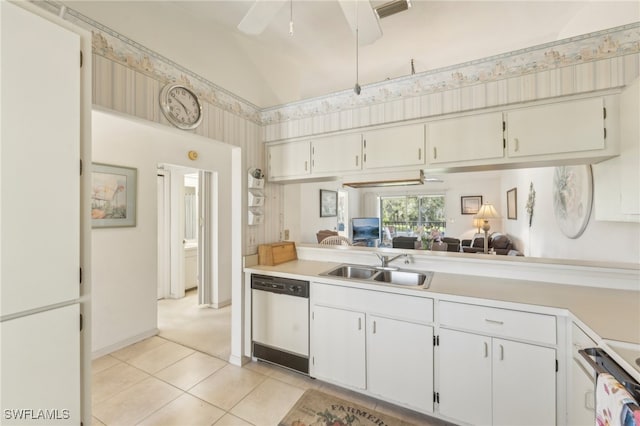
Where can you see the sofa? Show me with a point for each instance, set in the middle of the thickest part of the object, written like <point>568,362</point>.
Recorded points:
<point>500,243</point>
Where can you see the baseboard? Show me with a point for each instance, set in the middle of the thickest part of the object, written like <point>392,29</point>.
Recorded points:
<point>239,360</point>
<point>221,304</point>
<point>123,343</point>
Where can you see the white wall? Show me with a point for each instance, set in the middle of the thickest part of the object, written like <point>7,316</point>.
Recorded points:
<point>601,241</point>
<point>302,210</point>
<point>124,259</point>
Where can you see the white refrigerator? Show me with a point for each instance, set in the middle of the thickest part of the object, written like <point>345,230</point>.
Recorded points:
<point>39,220</point>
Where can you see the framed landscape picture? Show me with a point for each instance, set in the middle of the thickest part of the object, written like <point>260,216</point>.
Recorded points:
<point>470,204</point>
<point>328,203</point>
<point>113,196</point>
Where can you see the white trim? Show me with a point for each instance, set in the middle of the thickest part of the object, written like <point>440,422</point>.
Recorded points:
<point>124,343</point>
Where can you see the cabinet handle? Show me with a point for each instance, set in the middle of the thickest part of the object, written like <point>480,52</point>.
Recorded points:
<point>517,141</point>
<point>419,153</point>
<point>306,165</point>
<point>501,352</point>
<point>374,327</point>
<point>356,161</point>
<point>486,349</point>
<point>359,323</point>
<point>494,321</point>
<point>435,153</point>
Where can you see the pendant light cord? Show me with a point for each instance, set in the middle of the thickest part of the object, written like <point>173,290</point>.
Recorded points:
<point>357,88</point>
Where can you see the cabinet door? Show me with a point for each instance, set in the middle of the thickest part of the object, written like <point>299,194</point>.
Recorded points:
<point>39,165</point>
<point>477,137</point>
<point>394,146</point>
<point>342,153</point>
<point>338,346</point>
<point>41,365</point>
<point>289,160</point>
<point>400,362</point>
<point>557,128</point>
<point>465,377</point>
<point>524,384</point>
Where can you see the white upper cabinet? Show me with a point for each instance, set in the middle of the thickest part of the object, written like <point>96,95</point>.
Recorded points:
<point>470,138</point>
<point>341,153</point>
<point>289,160</point>
<point>616,194</point>
<point>394,147</point>
<point>558,128</point>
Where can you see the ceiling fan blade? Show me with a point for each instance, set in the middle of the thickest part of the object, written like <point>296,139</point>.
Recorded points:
<point>260,15</point>
<point>368,25</point>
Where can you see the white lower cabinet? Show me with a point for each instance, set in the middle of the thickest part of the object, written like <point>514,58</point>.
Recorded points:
<point>465,377</point>
<point>338,346</point>
<point>377,343</point>
<point>486,380</point>
<point>400,361</point>
<point>582,385</point>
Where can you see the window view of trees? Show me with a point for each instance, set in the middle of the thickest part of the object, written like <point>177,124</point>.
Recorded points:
<point>404,215</point>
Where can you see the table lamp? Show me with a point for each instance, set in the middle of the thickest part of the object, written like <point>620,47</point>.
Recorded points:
<point>477,223</point>
<point>486,212</point>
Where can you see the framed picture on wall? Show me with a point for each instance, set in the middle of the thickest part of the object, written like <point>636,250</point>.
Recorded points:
<point>470,204</point>
<point>328,203</point>
<point>512,204</point>
<point>113,196</point>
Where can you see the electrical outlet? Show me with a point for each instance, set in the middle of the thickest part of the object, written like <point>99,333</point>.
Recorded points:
<point>285,235</point>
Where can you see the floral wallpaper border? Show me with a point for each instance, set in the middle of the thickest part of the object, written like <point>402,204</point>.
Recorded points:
<point>619,41</point>
<point>604,44</point>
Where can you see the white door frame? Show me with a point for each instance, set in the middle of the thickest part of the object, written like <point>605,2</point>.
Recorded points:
<point>164,240</point>
<point>171,221</point>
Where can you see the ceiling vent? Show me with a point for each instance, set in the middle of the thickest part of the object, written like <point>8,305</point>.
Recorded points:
<point>392,8</point>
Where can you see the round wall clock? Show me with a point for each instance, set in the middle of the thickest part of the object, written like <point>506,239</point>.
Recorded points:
<point>181,106</point>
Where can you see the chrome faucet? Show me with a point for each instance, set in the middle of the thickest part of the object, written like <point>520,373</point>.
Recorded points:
<point>385,260</point>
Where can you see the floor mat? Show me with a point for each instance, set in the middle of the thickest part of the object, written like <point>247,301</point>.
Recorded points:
<point>316,408</point>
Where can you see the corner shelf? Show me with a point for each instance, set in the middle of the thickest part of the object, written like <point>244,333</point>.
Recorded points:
<point>255,196</point>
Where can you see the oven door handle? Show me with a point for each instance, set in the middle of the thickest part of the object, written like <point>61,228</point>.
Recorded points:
<point>586,354</point>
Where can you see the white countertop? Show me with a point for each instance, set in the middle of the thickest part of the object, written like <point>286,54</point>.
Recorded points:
<point>613,315</point>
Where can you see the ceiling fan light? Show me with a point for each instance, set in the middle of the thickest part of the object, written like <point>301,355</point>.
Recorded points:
<point>392,7</point>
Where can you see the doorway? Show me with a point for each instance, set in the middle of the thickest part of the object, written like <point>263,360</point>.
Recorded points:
<point>186,278</point>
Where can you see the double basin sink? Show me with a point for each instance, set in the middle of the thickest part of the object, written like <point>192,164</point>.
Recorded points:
<point>382,275</point>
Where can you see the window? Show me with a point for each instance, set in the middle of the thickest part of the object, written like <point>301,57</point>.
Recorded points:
<point>403,215</point>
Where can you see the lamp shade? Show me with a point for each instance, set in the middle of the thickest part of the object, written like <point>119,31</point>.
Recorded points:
<point>486,212</point>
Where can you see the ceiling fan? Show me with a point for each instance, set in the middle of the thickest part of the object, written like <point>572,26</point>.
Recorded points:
<point>360,15</point>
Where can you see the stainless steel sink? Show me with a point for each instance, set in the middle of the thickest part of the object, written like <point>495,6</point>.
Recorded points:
<point>382,275</point>
<point>401,278</point>
<point>349,271</point>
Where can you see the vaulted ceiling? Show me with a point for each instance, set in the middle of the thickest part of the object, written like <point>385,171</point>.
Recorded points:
<point>274,68</point>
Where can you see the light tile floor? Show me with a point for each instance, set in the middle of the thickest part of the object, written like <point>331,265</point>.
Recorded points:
<point>159,382</point>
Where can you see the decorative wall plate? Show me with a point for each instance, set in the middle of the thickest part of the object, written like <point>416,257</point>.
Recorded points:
<point>572,198</point>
